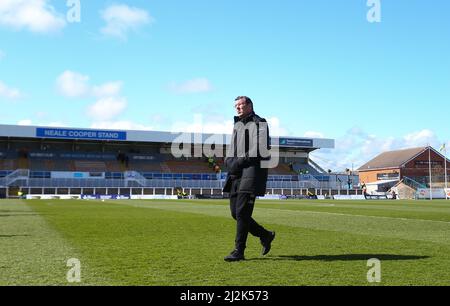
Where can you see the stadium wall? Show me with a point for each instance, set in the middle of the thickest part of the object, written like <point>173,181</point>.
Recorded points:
<point>12,192</point>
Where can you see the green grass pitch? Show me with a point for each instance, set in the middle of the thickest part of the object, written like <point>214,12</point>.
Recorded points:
<point>183,242</point>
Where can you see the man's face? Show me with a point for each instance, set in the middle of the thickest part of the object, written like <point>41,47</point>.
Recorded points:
<point>242,108</point>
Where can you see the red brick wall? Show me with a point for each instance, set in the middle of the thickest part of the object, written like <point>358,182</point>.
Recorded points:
<point>412,169</point>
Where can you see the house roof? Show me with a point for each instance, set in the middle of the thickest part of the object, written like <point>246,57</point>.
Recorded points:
<point>392,159</point>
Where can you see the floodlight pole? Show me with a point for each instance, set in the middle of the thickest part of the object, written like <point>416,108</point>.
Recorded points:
<point>429,167</point>
<point>445,166</point>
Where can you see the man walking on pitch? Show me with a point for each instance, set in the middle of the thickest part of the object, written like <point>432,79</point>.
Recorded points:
<point>246,178</point>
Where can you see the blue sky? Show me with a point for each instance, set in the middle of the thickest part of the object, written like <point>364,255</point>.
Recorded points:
<point>312,67</point>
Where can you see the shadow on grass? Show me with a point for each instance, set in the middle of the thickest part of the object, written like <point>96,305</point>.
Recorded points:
<point>12,211</point>
<point>12,236</point>
<point>21,215</point>
<point>343,257</point>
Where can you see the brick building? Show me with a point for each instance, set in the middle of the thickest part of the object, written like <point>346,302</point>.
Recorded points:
<point>388,168</point>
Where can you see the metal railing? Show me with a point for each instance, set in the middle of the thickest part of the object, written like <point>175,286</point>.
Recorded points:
<point>17,175</point>
<point>134,176</point>
<point>119,183</point>
<point>133,179</point>
<point>413,183</point>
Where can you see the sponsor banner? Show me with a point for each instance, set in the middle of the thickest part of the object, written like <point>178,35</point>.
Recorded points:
<point>87,156</point>
<point>131,174</point>
<point>143,157</point>
<point>296,143</point>
<point>80,134</point>
<point>105,197</point>
<point>154,197</point>
<point>51,197</point>
<point>40,155</point>
<point>76,175</point>
<point>424,193</point>
<point>377,197</point>
<point>349,197</point>
<point>273,197</point>
<point>89,197</point>
<point>388,176</point>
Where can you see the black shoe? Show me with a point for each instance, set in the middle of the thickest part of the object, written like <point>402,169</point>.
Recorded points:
<point>235,256</point>
<point>267,243</point>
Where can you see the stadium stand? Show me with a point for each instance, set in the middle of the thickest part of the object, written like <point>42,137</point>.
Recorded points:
<point>113,166</point>
<point>282,169</point>
<point>141,161</point>
<point>303,168</point>
<point>188,166</point>
<point>88,166</point>
<point>8,164</point>
<point>41,165</point>
<point>61,165</point>
<point>143,166</point>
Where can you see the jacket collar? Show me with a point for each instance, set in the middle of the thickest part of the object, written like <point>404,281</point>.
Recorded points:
<point>245,119</point>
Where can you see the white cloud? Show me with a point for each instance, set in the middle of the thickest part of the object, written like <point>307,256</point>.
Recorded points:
<point>24,122</point>
<point>197,85</point>
<point>75,85</point>
<point>72,84</point>
<point>54,124</point>
<point>121,125</point>
<point>358,147</point>
<point>108,89</point>
<point>275,128</point>
<point>109,103</point>
<point>313,134</point>
<point>420,138</point>
<point>41,114</point>
<point>35,15</point>
<point>219,125</point>
<point>106,109</point>
<point>2,54</point>
<point>8,92</point>
<point>120,19</point>
<point>202,125</point>
<point>27,122</point>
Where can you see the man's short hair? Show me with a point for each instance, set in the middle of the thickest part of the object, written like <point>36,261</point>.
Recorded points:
<point>246,99</point>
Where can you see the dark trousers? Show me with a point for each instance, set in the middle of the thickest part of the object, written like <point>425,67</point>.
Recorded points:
<point>241,206</point>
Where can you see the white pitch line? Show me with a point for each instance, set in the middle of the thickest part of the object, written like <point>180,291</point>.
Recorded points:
<point>291,211</point>
<point>352,215</point>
